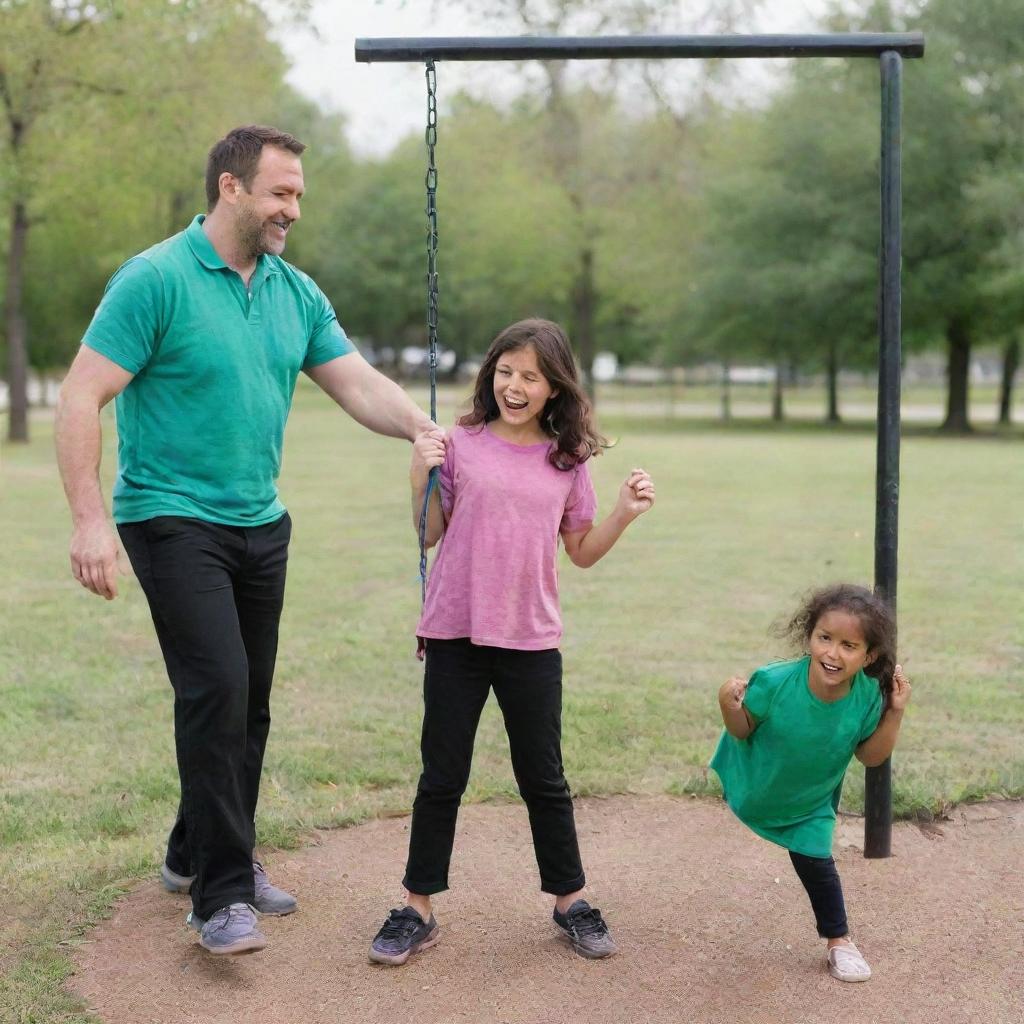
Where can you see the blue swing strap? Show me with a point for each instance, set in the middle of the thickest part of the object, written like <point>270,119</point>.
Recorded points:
<point>431,183</point>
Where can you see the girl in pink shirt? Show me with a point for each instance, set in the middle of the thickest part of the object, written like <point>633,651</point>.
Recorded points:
<point>514,478</point>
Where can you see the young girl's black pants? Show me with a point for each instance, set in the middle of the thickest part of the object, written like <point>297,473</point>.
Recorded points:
<point>528,685</point>
<point>215,593</point>
<point>821,880</point>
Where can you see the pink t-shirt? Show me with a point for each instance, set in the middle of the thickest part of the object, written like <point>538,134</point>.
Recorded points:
<point>495,578</point>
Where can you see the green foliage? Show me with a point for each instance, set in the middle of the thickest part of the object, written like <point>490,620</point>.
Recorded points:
<point>117,104</point>
<point>986,60</point>
<point>368,244</point>
<point>717,233</point>
<point>788,256</point>
<point>509,228</point>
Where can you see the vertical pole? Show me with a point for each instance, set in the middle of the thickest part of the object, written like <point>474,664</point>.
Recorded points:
<point>878,781</point>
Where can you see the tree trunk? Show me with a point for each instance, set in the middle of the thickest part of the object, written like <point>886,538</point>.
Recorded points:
<point>726,394</point>
<point>777,410</point>
<point>959,338</point>
<point>584,301</point>
<point>1011,362</point>
<point>179,210</point>
<point>14,327</point>
<point>832,375</point>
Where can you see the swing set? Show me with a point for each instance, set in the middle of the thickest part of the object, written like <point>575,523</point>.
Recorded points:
<point>888,49</point>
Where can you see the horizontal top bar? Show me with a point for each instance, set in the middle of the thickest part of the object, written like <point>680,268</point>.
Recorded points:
<point>849,44</point>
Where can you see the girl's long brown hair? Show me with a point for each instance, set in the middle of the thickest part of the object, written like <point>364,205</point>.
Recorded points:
<point>567,418</point>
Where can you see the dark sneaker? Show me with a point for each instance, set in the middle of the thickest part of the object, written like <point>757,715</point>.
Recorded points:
<point>401,935</point>
<point>230,930</point>
<point>586,930</point>
<point>268,899</point>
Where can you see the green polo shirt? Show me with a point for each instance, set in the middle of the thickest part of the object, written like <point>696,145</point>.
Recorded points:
<point>201,424</point>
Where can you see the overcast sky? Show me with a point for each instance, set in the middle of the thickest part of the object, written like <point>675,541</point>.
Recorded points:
<point>384,102</point>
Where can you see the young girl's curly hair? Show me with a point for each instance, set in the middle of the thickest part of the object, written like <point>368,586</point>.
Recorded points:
<point>567,416</point>
<point>875,617</point>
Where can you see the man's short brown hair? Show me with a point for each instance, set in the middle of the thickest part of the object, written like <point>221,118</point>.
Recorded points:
<point>238,153</point>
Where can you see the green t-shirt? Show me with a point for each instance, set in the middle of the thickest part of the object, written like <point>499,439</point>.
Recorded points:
<point>201,424</point>
<point>784,780</point>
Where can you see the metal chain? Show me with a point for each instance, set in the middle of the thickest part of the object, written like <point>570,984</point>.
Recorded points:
<point>431,183</point>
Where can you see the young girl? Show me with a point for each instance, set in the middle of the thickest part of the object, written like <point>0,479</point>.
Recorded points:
<point>791,730</point>
<point>514,478</point>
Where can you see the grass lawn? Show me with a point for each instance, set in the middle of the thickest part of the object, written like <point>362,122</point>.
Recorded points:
<point>747,519</point>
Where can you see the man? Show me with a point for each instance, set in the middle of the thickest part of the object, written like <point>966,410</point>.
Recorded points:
<point>201,339</point>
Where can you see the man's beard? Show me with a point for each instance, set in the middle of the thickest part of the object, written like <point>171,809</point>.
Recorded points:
<point>252,236</point>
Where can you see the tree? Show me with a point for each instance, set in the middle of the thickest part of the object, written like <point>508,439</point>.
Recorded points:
<point>792,234</point>
<point>565,144</point>
<point>950,138</point>
<point>46,49</point>
<point>788,253</point>
<point>987,58</point>
<point>80,85</point>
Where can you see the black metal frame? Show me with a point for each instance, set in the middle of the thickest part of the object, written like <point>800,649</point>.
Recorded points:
<point>849,44</point>
<point>889,49</point>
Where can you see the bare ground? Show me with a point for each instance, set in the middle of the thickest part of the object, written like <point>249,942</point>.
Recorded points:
<point>711,921</point>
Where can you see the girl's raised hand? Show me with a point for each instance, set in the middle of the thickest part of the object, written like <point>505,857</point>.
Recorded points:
<point>900,696</point>
<point>427,452</point>
<point>732,692</point>
<point>636,495</point>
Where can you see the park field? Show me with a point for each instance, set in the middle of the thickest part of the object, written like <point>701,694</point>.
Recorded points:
<point>747,518</point>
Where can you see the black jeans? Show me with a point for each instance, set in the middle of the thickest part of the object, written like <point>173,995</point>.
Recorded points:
<point>528,686</point>
<point>215,594</point>
<point>821,880</point>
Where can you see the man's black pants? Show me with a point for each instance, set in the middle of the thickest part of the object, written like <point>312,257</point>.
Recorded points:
<point>215,593</point>
<point>528,684</point>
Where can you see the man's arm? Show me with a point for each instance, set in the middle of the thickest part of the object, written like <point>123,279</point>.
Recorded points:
<point>92,381</point>
<point>370,398</point>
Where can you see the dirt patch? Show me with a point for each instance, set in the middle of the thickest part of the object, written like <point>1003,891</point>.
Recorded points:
<point>711,921</point>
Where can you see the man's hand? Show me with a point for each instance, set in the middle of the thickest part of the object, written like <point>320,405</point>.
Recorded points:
<point>91,382</point>
<point>94,558</point>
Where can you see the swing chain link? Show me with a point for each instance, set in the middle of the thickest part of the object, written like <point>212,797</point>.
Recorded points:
<point>431,184</point>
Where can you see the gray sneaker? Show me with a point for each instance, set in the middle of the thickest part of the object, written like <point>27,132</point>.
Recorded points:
<point>587,930</point>
<point>173,882</point>
<point>401,935</point>
<point>230,930</point>
<point>268,898</point>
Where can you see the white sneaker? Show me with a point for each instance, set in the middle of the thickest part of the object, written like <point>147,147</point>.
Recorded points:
<point>846,963</point>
